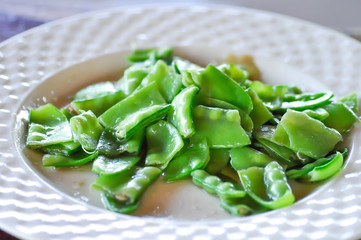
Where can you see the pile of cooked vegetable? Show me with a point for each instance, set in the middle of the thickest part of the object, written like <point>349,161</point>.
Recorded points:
<point>237,138</point>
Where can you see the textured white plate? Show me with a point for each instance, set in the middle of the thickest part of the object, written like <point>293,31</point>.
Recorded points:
<point>32,208</point>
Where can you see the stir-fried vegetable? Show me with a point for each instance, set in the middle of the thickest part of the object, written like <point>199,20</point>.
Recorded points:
<point>233,135</point>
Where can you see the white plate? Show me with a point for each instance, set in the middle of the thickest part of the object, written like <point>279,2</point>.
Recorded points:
<point>34,205</point>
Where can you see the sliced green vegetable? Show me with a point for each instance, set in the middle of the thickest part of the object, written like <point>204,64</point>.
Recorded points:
<point>95,90</point>
<point>340,117</point>
<point>108,166</point>
<point>221,127</point>
<point>47,126</point>
<point>218,159</point>
<point>77,159</point>
<point>110,145</point>
<point>259,114</point>
<point>214,185</point>
<point>268,186</point>
<point>320,169</point>
<point>164,141</point>
<point>151,55</point>
<point>86,130</point>
<point>235,72</point>
<point>194,157</point>
<point>169,83</point>
<point>132,78</point>
<point>305,135</point>
<point>65,149</point>
<point>245,157</point>
<point>215,84</point>
<point>181,113</point>
<point>137,101</point>
<point>351,101</point>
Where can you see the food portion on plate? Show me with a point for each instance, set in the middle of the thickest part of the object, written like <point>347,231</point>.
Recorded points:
<point>232,134</point>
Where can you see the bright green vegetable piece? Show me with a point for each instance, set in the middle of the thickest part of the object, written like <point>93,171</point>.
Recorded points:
<point>268,186</point>
<point>214,185</point>
<point>271,95</point>
<point>66,113</point>
<point>141,119</point>
<point>305,135</point>
<point>164,141</point>
<point>95,90</point>
<point>151,55</point>
<point>47,126</point>
<point>86,130</point>
<point>351,101</point>
<point>305,103</point>
<point>318,113</point>
<point>259,114</point>
<point>281,154</point>
<point>77,159</point>
<point>235,72</point>
<point>246,121</point>
<point>193,157</point>
<point>218,159</point>
<point>65,149</point>
<point>320,169</point>
<point>242,206</point>
<point>137,101</point>
<point>215,84</point>
<point>221,127</point>
<point>245,157</point>
<point>108,166</point>
<point>192,77</point>
<point>110,145</point>
<point>98,105</point>
<point>169,83</point>
<point>180,65</point>
<point>340,117</point>
<point>127,186</point>
<point>112,204</point>
<point>181,113</point>
<point>132,78</point>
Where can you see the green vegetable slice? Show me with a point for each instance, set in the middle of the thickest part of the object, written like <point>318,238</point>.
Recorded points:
<point>164,141</point>
<point>108,166</point>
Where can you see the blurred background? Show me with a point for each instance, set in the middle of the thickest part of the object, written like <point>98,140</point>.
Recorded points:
<point>19,15</point>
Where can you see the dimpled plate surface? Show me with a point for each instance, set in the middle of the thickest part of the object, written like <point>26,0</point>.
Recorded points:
<point>32,209</point>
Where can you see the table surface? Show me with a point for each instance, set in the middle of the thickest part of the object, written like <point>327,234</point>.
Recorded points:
<point>19,15</point>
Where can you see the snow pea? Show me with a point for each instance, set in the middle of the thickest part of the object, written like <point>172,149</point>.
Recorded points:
<point>259,114</point>
<point>195,156</point>
<point>245,157</point>
<point>318,113</point>
<point>164,141</point>
<point>307,102</point>
<point>108,166</point>
<point>47,126</point>
<point>242,206</point>
<point>305,135</point>
<point>340,117</point>
<point>281,154</point>
<point>95,90</point>
<point>180,65</point>
<point>215,84</point>
<point>132,78</point>
<point>246,121</point>
<point>127,186</point>
<point>191,77</point>
<point>221,127</point>
<point>77,159</point>
<point>272,96</point>
<point>319,170</point>
<point>139,100</point>
<point>67,113</point>
<point>351,101</point>
<point>65,149</point>
<point>218,159</point>
<point>86,130</point>
<point>151,55</point>
<point>268,186</point>
<point>169,83</point>
<point>115,205</point>
<point>235,72</point>
<point>110,145</point>
<point>181,113</point>
<point>214,185</point>
<point>141,119</point>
